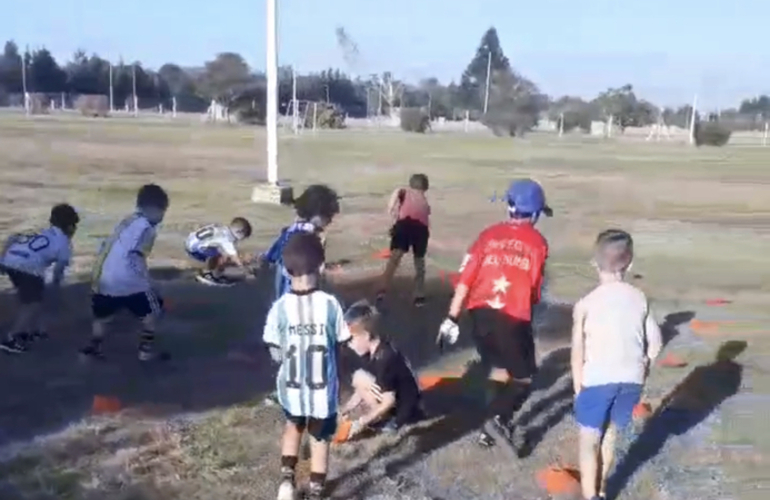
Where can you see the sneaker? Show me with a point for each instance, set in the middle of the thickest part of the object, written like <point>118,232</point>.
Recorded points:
<point>271,399</point>
<point>92,352</point>
<point>148,354</point>
<point>13,346</point>
<point>485,440</point>
<point>37,336</point>
<point>499,429</point>
<point>286,491</point>
<point>419,301</point>
<point>209,278</point>
<point>315,491</point>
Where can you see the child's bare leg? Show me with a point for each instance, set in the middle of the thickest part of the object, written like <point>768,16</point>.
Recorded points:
<point>290,444</point>
<point>215,265</point>
<point>319,463</point>
<point>362,381</point>
<point>607,457</point>
<point>590,442</point>
<point>390,269</point>
<point>419,277</point>
<point>25,317</point>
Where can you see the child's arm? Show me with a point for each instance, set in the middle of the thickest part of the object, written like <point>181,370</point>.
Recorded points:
<point>273,254</point>
<point>271,335</point>
<point>396,199</point>
<point>653,336</point>
<point>386,402</point>
<point>578,346</point>
<point>353,403</point>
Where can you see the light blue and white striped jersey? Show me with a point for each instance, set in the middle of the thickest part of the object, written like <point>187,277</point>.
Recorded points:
<point>307,327</point>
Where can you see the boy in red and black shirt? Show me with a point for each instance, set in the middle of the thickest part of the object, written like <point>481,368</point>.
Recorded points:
<point>500,281</point>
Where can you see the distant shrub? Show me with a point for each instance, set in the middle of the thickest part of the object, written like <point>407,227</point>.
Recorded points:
<point>575,120</point>
<point>414,120</point>
<point>711,134</point>
<point>326,115</point>
<point>509,124</point>
<point>93,105</point>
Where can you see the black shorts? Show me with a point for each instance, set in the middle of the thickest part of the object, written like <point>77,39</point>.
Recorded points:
<point>410,234</point>
<point>139,304</point>
<point>504,342</point>
<point>29,288</point>
<point>321,429</point>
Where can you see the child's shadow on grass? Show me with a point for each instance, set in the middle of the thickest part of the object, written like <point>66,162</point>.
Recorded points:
<point>686,406</point>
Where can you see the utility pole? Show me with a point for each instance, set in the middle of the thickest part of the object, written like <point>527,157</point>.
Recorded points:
<point>486,90</point>
<point>112,94</point>
<point>294,104</point>
<point>692,118</point>
<point>136,99</point>
<point>24,80</point>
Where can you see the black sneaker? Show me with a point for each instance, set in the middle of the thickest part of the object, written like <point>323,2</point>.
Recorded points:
<point>148,354</point>
<point>315,491</point>
<point>92,352</point>
<point>13,346</point>
<point>419,301</point>
<point>37,336</point>
<point>485,440</point>
<point>499,429</point>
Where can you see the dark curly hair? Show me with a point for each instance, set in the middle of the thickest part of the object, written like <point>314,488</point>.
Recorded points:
<point>419,181</point>
<point>317,200</point>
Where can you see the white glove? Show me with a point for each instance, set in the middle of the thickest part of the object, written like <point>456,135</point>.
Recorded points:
<point>448,332</point>
<point>356,427</point>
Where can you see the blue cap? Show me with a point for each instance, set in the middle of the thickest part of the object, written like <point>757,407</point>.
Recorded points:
<point>526,196</point>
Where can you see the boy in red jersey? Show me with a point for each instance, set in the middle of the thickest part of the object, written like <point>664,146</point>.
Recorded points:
<point>500,281</point>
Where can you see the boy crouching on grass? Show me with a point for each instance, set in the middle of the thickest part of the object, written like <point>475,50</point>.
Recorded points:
<point>383,380</point>
<point>614,340</point>
<point>302,332</point>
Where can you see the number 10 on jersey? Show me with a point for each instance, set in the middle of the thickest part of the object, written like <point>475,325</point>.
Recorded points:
<point>309,368</point>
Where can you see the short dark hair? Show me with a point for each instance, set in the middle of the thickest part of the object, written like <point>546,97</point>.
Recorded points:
<point>364,313</point>
<point>303,254</point>
<point>152,195</point>
<point>419,181</point>
<point>64,216</point>
<point>317,200</point>
<point>614,250</point>
<point>242,225</point>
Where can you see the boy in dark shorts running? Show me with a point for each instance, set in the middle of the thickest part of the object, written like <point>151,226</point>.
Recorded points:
<point>383,379</point>
<point>500,280</point>
<point>411,214</point>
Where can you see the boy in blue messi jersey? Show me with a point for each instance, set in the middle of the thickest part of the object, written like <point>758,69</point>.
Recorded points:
<point>303,330</point>
<point>315,209</point>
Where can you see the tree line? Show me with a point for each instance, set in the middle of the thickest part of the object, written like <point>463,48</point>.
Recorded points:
<point>510,99</point>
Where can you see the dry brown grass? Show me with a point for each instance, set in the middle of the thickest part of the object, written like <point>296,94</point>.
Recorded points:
<point>700,219</point>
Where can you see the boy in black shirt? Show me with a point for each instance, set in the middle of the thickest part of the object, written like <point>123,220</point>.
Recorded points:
<point>383,381</point>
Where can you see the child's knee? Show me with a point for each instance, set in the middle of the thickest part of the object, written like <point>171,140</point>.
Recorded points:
<point>590,440</point>
<point>322,430</point>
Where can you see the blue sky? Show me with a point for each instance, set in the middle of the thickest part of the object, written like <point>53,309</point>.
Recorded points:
<point>566,46</point>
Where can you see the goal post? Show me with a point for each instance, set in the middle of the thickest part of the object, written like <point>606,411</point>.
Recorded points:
<point>271,191</point>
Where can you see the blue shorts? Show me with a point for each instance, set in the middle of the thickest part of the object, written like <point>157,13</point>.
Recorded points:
<point>204,254</point>
<point>596,406</point>
<point>139,304</point>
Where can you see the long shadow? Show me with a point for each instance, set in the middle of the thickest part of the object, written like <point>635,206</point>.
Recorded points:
<point>212,333</point>
<point>686,406</point>
<point>458,412</point>
<point>669,329</point>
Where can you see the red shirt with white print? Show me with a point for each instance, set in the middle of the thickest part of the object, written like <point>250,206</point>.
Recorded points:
<point>504,269</point>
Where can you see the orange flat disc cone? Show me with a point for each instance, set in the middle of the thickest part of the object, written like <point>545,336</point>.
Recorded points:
<point>343,431</point>
<point>104,405</point>
<point>672,361</point>
<point>427,382</point>
<point>382,254</point>
<point>559,480</point>
<point>642,411</point>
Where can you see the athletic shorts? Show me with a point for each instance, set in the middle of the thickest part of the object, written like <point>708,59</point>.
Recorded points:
<point>321,429</point>
<point>203,254</point>
<point>29,288</point>
<point>504,342</point>
<point>139,304</point>
<point>598,405</point>
<point>410,234</point>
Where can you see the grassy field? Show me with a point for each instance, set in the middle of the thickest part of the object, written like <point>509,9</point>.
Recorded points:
<point>194,428</point>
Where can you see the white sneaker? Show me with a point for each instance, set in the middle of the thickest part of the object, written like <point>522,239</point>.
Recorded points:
<point>286,491</point>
